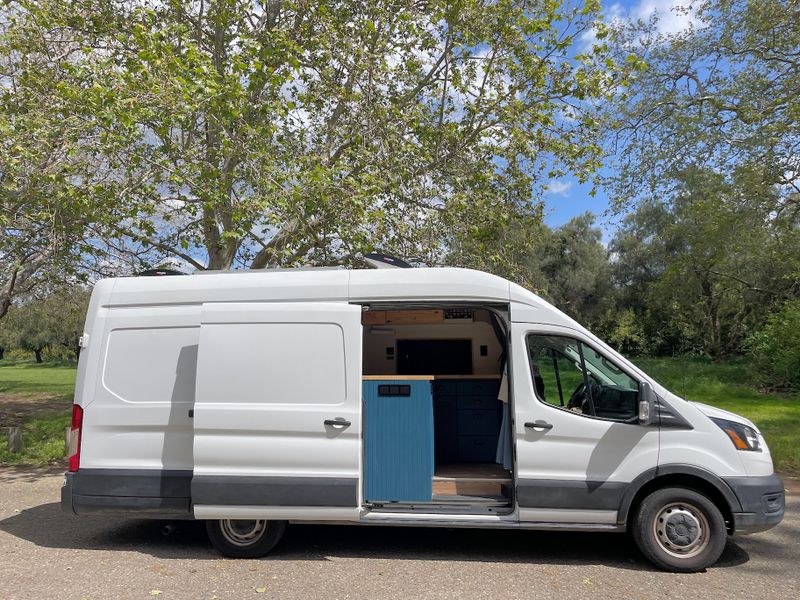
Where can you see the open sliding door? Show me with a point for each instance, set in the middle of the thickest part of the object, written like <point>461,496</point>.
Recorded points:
<point>277,417</point>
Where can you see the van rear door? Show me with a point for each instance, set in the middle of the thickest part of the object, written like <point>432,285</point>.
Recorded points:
<point>277,415</point>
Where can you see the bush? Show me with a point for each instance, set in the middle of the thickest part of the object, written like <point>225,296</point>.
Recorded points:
<point>776,349</point>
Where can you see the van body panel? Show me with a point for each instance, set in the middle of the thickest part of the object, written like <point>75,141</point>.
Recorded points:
<point>580,464</point>
<point>705,446</point>
<point>269,376</point>
<point>756,464</point>
<point>431,285</point>
<point>138,412</point>
<point>92,341</point>
<point>279,285</point>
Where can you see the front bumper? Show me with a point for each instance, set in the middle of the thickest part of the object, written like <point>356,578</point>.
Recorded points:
<point>762,500</point>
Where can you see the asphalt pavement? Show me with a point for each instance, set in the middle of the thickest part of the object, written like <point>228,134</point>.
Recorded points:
<point>45,553</point>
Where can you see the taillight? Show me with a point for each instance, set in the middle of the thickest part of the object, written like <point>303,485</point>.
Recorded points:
<point>74,452</point>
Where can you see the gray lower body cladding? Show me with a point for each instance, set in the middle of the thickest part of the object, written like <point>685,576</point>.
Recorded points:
<point>757,503</point>
<point>143,493</point>
<point>170,494</point>
<point>570,495</point>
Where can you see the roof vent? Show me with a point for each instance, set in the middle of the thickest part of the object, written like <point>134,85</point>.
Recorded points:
<point>159,273</point>
<point>384,261</point>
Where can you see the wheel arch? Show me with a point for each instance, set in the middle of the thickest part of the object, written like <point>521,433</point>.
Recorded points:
<point>686,476</point>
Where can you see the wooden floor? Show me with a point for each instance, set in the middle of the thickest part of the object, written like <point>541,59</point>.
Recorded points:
<point>464,479</point>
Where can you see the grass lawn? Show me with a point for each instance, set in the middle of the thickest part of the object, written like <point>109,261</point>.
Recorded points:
<point>726,385</point>
<point>17,377</point>
<point>38,397</point>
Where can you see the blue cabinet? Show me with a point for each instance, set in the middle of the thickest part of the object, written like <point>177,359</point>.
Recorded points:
<point>468,419</point>
<point>398,440</point>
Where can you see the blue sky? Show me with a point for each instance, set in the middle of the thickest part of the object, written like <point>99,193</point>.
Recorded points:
<point>568,198</point>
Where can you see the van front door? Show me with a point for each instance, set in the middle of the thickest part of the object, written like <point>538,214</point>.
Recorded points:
<point>277,415</point>
<point>579,444</point>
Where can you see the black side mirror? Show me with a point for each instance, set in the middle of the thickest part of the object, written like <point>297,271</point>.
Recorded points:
<point>647,404</point>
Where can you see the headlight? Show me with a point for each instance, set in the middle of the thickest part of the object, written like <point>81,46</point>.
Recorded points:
<point>742,436</point>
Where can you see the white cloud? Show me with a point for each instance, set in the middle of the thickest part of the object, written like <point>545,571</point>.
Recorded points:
<point>558,188</point>
<point>673,16</point>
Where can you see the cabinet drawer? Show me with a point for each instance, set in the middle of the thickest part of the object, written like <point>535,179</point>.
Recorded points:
<point>478,448</point>
<point>478,403</point>
<point>478,422</point>
<point>478,387</point>
<point>445,387</point>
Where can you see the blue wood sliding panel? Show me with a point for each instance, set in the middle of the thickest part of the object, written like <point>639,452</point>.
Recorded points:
<point>398,441</point>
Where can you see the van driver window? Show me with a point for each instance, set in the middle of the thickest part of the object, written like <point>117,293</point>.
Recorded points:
<point>573,376</point>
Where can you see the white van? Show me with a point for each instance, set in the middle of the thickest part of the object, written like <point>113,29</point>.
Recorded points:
<point>421,397</point>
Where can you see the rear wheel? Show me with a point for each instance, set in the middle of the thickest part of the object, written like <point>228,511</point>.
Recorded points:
<point>245,538</point>
<point>679,530</point>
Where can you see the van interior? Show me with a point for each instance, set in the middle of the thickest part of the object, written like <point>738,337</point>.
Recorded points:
<point>437,424</point>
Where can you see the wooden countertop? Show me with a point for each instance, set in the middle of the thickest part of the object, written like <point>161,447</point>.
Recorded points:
<point>397,377</point>
<point>426,377</point>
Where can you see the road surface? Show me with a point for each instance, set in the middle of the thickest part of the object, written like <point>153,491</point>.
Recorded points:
<point>45,553</point>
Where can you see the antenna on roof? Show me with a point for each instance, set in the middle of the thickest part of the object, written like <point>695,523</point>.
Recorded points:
<point>384,261</point>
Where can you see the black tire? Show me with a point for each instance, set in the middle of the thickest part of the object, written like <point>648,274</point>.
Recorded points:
<point>679,530</point>
<point>242,538</point>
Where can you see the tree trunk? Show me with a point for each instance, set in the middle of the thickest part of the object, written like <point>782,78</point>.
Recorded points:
<point>713,337</point>
<point>2,353</point>
<point>38,353</point>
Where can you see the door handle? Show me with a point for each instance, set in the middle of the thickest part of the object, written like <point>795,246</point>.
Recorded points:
<point>539,425</point>
<point>341,422</point>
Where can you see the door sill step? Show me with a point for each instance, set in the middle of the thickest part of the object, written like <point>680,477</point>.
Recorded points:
<point>479,521</point>
<point>444,508</point>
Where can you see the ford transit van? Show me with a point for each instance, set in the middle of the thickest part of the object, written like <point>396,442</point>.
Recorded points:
<point>433,397</point>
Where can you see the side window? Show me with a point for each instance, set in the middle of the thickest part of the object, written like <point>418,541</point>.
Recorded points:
<point>571,375</point>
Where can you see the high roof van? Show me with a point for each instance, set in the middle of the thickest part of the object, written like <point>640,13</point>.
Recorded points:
<point>433,397</point>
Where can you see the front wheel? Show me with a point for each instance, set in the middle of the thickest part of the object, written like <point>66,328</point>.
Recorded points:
<point>679,530</point>
<point>245,538</point>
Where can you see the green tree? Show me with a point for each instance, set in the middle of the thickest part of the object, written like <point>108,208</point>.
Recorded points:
<point>28,327</point>
<point>54,321</point>
<point>719,95</point>
<point>574,268</point>
<point>255,134</point>
<point>45,202</point>
<point>703,268</point>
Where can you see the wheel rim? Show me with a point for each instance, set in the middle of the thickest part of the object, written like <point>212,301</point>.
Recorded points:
<point>681,529</point>
<point>240,532</point>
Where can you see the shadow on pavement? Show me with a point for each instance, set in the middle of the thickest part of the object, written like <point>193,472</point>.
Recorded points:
<point>47,526</point>
<point>28,474</point>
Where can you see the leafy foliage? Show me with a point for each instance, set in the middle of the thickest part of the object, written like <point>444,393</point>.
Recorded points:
<point>776,348</point>
<point>55,321</point>
<point>702,268</point>
<point>717,95</point>
<point>237,133</point>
